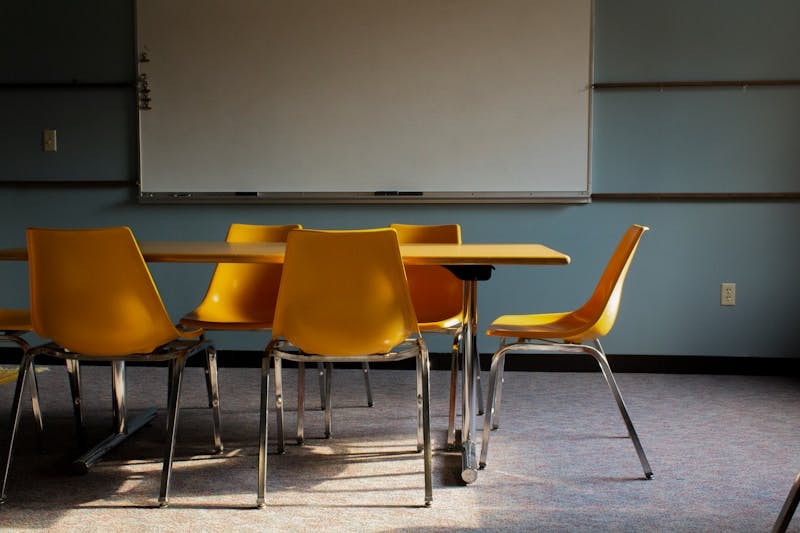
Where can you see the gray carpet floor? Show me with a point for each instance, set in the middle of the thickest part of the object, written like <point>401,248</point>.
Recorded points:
<point>724,450</point>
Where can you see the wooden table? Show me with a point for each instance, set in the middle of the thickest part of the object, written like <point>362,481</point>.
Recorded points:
<point>470,262</point>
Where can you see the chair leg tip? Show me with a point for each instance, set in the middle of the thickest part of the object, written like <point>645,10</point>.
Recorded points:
<point>163,504</point>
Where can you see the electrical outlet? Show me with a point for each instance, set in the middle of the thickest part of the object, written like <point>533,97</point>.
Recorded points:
<point>727,294</point>
<point>49,141</point>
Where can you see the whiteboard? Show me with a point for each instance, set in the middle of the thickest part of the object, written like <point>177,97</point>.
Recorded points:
<point>365,99</point>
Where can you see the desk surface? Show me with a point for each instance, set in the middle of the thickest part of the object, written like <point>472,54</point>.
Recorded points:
<point>413,254</point>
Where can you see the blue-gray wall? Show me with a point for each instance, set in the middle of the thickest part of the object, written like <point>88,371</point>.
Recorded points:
<point>676,140</point>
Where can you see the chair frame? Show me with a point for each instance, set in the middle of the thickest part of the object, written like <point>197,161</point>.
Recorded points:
<point>15,336</point>
<point>495,386</point>
<point>175,353</point>
<point>279,349</point>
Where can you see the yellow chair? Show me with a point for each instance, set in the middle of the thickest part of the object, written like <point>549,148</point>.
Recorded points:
<point>240,296</point>
<point>93,296</point>
<point>344,297</point>
<point>438,297</point>
<point>569,333</point>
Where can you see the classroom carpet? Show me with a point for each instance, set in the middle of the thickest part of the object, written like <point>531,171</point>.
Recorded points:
<point>724,450</point>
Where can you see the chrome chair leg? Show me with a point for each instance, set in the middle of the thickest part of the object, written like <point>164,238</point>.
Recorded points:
<point>118,396</point>
<point>788,509</point>
<point>33,385</point>
<point>212,385</point>
<point>25,367</point>
<point>420,409</point>
<point>321,372</point>
<point>365,370</point>
<point>456,352</point>
<point>279,402</point>
<point>322,385</point>
<point>301,401</point>
<point>328,404</point>
<point>600,356</point>
<point>492,403</point>
<point>176,374</point>
<point>423,361</point>
<point>73,371</point>
<point>476,368</point>
<point>263,426</point>
<point>15,337</point>
<point>498,393</point>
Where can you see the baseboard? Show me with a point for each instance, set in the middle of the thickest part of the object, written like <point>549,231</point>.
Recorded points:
<point>657,364</point>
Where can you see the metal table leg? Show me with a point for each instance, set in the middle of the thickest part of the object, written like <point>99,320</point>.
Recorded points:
<point>470,275</point>
<point>469,461</point>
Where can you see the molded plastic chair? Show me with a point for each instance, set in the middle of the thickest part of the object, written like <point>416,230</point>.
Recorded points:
<point>241,296</point>
<point>93,296</point>
<point>438,297</point>
<point>568,333</point>
<point>344,297</point>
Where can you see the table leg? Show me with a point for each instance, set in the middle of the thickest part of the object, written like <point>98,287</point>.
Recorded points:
<point>469,462</point>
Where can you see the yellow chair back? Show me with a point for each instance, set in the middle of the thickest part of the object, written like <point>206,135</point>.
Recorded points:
<point>344,293</point>
<point>243,295</point>
<point>599,313</point>
<point>91,292</point>
<point>437,294</point>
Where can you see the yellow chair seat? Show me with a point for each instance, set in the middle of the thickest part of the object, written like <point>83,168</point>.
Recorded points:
<point>568,326</point>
